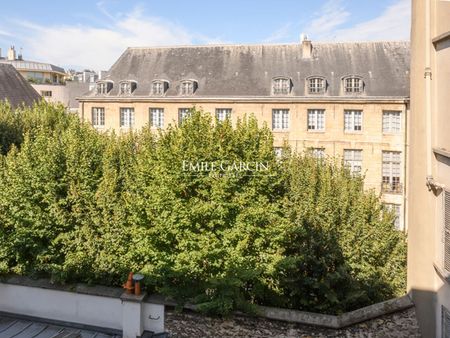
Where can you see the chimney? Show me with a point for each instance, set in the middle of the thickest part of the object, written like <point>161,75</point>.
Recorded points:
<point>19,57</point>
<point>11,54</point>
<point>306,47</point>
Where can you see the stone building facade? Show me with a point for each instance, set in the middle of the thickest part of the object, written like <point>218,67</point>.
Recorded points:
<point>345,100</point>
<point>429,167</point>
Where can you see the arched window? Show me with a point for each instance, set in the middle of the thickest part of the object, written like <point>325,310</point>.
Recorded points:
<point>127,87</point>
<point>281,86</point>
<point>188,87</point>
<point>353,85</point>
<point>316,85</point>
<point>159,87</point>
<point>103,87</point>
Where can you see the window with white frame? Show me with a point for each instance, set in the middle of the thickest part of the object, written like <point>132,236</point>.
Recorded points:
<point>353,120</point>
<point>391,168</point>
<point>391,121</point>
<point>126,117</point>
<point>223,113</point>
<point>183,113</point>
<point>316,85</point>
<point>394,208</point>
<point>125,88</point>
<point>281,86</point>
<point>445,322</point>
<point>353,160</point>
<point>447,231</point>
<point>98,117</point>
<point>353,85</point>
<point>280,119</point>
<point>318,153</point>
<point>102,88</point>
<point>157,117</point>
<point>316,119</point>
<point>187,87</point>
<point>159,87</point>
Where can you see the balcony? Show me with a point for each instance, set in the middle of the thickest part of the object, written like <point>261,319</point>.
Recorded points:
<point>392,187</point>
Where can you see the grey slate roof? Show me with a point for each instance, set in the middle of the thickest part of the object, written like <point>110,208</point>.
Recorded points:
<point>14,88</point>
<point>24,328</point>
<point>248,70</point>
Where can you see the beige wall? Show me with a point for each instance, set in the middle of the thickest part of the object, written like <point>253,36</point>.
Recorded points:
<point>334,140</point>
<point>428,129</point>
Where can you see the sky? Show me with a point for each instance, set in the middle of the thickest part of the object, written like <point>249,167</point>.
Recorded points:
<point>90,34</point>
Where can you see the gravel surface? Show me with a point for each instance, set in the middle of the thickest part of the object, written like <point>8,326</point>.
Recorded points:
<point>189,324</point>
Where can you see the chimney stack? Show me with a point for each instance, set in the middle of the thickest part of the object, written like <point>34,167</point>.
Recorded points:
<point>306,47</point>
<point>11,54</point>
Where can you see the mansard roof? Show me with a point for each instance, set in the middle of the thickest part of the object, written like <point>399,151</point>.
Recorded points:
<point>248,70</point>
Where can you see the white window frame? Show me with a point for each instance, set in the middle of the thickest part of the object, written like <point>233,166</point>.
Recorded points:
<point>318,153</point>
<point>223,114</point>
<point>353,85</point>
<point>391,171</point>
<point>281,86</point>
<point>316,85</point>
<point>280,119</point>
<point>353,160</point>
<point>156,117</point>
<point>102,88</point>
<point>159,87</point>
<point>183,113</point>
<point>98,115</point>
<point>126,117</point>
<point>125,88</point>
<point>397,209</point>
<point>353,121</point>
<point>392,121</point>
<point>446,232</point>
<point>316,120</point>
<point>187,87</point>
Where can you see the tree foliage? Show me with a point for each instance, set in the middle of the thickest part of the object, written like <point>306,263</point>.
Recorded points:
<point>78,205</point>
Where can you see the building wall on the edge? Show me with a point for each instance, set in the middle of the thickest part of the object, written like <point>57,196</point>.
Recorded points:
<point>425,208</point>
<point>371,140</point>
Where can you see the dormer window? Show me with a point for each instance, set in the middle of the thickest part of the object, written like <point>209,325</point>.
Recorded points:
<point>316,85</point>
<point>353,85</point>
<point>159,87</point>
<point>188,87</point>
<point>127,87</point>
<point>281,86</point>
<point>103,87</point>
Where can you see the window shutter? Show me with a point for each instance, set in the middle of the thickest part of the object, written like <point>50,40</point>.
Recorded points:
<point>447,231</point>
<point>445,322</point>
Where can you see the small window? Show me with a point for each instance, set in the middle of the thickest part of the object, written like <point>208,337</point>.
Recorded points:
<point>353,160</point>
<point>157,117</point>
<point>280,119</point>
<point>188,87</point>
<point>104,87</point>
<point>391,169</point>
<point>352,120</point>
<point>281,86</point>
<point>98,117</point>
<point>445,322</point>
<point>127,87</point>
<point>126,117</point>
<point>316,119</point>
<point>183,113</point>
<point>395,208</point>
<point>316,85</point>
<point>46,93</point>
<point>159,87</point>
<point>353,85</point>
<point>223,113</point>
<point>447,233</point>
<point>391,122</point>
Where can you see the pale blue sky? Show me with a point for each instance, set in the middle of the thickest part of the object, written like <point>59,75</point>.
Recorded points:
<point>92,34</point>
